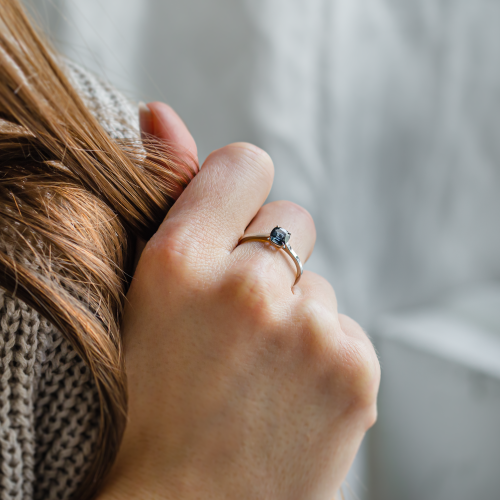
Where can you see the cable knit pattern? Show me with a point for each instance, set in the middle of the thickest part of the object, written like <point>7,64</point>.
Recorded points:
<point>49,408</point>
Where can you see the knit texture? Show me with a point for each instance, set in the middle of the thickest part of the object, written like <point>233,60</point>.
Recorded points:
<point>49,407</point>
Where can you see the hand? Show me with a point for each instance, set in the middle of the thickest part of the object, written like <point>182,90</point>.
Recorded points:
<point>240,386</point>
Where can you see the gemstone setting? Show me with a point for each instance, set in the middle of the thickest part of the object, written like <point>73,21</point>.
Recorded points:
<point>279,236</point>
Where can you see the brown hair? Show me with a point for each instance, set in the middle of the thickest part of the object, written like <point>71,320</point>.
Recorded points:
<point>71,200</point>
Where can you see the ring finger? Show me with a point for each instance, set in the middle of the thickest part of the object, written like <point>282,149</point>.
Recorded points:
<point>297,221</point>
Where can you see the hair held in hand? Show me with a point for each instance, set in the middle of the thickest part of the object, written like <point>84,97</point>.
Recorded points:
<point>72,201</point>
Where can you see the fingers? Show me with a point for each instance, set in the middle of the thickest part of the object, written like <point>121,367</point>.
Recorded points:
<point>214,210</point>
<point>297,221</point>
<point>317,305</point>
<point>160,120</point>
<point>313,288</point>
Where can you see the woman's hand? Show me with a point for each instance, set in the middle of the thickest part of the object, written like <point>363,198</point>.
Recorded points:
<point>240,385</point>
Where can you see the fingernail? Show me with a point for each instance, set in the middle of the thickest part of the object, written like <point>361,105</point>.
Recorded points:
<point>145,119</point>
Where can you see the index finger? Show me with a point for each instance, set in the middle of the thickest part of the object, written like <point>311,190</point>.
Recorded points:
<point>216,207</point>
<point>160,120</point>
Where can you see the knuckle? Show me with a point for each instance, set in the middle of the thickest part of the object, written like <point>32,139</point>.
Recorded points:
<point>169,256</point>
<point>361,371</point>
<point>250,295</point>
<point>317,324</point>
<point>295,210</point>
<point>251,150</point>
<point>371,415</point>
<point>253,157</point>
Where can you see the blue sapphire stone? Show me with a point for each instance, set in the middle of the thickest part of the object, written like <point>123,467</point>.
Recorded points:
<point>279,236</point>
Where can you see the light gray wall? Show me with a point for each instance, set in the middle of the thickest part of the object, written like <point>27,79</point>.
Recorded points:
<point>438,432</point>
<point>382,117</point>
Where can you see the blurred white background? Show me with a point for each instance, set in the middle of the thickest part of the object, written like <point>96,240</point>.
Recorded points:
<point>383,120</point>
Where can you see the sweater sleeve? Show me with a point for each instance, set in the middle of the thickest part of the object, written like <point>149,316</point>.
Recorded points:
<point>117,114</point>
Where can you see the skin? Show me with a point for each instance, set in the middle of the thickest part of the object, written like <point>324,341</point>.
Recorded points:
<point>240,385</point>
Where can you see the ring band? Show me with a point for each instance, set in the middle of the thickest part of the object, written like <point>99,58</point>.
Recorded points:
<point>278,237</point>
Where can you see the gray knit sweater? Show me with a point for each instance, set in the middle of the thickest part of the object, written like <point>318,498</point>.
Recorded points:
<point>49,407</point>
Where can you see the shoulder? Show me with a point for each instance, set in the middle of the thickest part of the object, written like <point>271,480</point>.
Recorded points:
<point>116,113</point>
